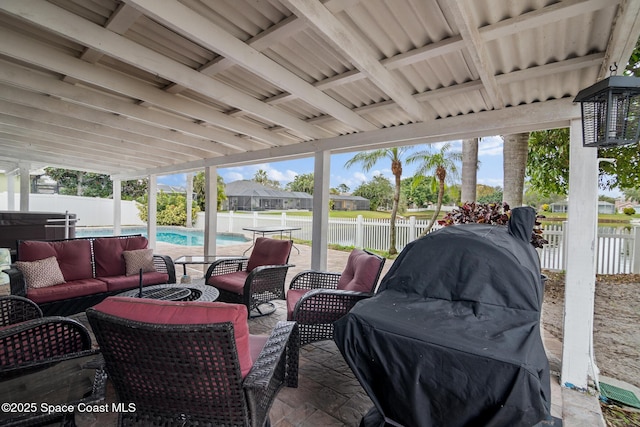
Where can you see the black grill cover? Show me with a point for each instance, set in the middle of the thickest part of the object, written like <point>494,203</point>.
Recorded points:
<point>453,336</point>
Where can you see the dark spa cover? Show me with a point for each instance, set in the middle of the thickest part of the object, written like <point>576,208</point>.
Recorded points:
<point>452,338</point>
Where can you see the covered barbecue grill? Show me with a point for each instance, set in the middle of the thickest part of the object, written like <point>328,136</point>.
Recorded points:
<point>453,336</point>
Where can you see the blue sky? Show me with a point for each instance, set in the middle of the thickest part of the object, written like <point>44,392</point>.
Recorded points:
<point>489,173</point>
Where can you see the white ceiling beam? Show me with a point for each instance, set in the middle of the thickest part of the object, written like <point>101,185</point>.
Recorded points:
<point>54,139</point>
<point>286,28</point>
<point>462,88</point>
<point>15,46</point>
<point>424,53</point>
<point>64,162</point>
<point>20,77</point>
<point>505,28</point>
<point>51,146</point>
<point>194,146</point>
<point>80,30</point>
<point>119,22</point>
<point>559,11</point>
<point>566,66</point>
<point>477,52</point>
<point>117,141</point>
<point>361,55</point>
<point>188,23</point>
<point>626,31</point>
<point>52,150</point>
<point>523,118</point>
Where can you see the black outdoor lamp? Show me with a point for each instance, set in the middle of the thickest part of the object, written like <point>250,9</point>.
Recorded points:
<point>611,111</point>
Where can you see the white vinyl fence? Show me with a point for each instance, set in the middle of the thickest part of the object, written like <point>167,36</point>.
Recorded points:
<point>618,247</point>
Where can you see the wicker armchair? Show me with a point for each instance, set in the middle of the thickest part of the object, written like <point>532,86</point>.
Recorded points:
<point>15,309</point>
<point>253,281</point>
<point>180,369</point>
<point>29,344</point>
<point>316,299</point>
<point>42,360</point>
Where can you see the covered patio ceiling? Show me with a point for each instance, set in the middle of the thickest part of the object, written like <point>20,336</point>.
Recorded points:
<point>146,87</point>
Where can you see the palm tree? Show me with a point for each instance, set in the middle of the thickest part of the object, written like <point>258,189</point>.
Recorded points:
<point>443,164</point>
<point>469,170</point>
<point>261,177</point>
<point>515,154</point>
<point>368,159</point>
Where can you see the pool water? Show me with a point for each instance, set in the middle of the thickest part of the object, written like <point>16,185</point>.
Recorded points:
<point>174,235</point>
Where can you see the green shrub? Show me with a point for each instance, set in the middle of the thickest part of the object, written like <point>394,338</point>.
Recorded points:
<point>629,211</point>
<point>171,209</point>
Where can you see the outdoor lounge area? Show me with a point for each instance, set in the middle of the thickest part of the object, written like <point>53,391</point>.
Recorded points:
<point>137,89</point>
<point>328,393</point>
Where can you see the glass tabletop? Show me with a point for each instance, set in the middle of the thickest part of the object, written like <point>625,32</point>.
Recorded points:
<point>193,259</point>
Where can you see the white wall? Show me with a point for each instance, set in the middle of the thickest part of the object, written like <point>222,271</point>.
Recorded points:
<point>90,211</point>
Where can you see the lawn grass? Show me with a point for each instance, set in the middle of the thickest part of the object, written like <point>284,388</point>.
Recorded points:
<point>602,218</point>
<point>332,214</point>
<point>549,217</point>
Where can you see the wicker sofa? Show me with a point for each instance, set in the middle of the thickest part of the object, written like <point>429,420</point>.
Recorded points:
<point>68,276</point>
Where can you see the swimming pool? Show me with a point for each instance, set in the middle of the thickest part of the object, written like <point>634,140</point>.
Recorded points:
<point>174,235</point>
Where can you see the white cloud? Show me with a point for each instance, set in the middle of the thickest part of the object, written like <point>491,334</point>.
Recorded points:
<point>232,176</point>
<point>456,145</point>
<point>248,172</point>
<point>360,177</point>
<point>282,177</point>
<point>490,146</point>
<point>491,182</point>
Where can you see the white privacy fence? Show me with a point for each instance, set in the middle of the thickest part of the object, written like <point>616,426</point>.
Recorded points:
<point>618,247</point>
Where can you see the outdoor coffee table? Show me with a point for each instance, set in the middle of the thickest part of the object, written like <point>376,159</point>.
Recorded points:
<point>176,292</point>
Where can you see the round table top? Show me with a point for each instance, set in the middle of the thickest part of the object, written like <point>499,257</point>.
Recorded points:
<point>197,292</point>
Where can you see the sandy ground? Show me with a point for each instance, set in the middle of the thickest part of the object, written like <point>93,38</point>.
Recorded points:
<point>616,322</point>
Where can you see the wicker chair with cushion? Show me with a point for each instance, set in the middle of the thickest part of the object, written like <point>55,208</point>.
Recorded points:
<point>47,339</point>
<point>316,299</point>
<point>15,309</point>
<point>192,363</point>
<point>43,360</point>
<point>253,281</point>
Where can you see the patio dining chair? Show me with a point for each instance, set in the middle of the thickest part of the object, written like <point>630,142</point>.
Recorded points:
<point>192,363</point>
<point>316,299</point>
<point>253,281</point>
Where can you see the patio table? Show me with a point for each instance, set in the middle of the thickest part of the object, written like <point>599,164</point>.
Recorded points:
<point>270,229</point>
<point>198,260</point>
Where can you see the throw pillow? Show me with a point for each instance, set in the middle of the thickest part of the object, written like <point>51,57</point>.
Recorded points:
<point>41,273</point>
<point>138,259</point>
